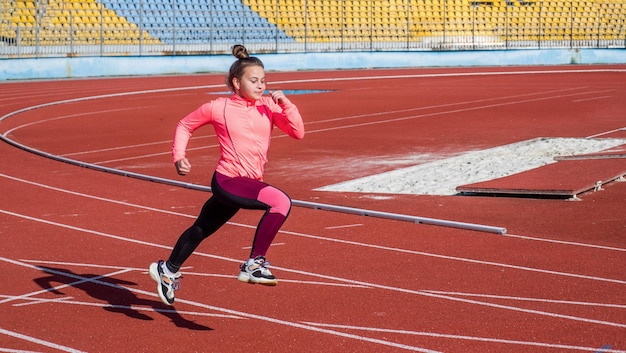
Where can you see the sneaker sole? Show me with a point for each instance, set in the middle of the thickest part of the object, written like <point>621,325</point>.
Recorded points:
<point>246,278</point>
<point>154,274</point>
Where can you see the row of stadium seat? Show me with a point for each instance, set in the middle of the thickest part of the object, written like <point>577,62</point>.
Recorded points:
<point>318,20</point>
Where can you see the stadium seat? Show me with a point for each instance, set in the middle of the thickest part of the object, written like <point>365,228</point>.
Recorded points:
<point>356,19</point>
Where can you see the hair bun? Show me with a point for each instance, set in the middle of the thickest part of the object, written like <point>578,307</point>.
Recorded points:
<point>240,52</point>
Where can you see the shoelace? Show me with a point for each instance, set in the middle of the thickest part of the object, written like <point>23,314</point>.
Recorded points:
<point>264,264</point>
<point>261,262</point>
<point>174,281</point>
<point>176,284</point>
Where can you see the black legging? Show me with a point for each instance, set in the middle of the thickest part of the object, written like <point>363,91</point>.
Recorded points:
<point>229,196</point>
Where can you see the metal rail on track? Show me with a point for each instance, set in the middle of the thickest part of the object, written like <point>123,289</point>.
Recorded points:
<point>306,204</point>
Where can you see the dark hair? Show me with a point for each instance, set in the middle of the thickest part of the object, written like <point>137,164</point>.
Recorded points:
<point>244,60</point>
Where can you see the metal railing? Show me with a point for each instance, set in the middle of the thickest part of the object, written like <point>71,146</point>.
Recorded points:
<point>45,28</point>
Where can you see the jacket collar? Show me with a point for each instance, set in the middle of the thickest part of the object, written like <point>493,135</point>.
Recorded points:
<point>242,101</point>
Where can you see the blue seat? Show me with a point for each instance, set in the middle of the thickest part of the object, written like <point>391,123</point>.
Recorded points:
<point>198,20</point>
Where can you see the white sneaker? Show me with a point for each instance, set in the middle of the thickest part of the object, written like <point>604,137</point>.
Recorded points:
<point>256,271</point>
<point>166,285</point>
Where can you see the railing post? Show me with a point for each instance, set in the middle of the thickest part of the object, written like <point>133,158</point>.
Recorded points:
<point>445,20</point>
<point>408,24</point>
<point>71,33</point>
<point>211,29</point>
<point>276,17</point>
<point>173,27</point>
<point>506,26</point>
<point>343,23</point>
<point>18,39</point>
<point>474,27</point>
<point>101,30</point>
<point>599,24</point>
<point>621,28</point>
<point>371,24</point>
<point>571,29</point>
<point>540,25</point>
<point>140,27</point>
<point>37,36</point>
<point>306,25</point>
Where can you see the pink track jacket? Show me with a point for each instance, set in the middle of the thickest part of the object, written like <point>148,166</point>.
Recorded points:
<point>243,130</point>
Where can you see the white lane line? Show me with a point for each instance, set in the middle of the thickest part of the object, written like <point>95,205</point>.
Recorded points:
<point>7,350</point>
<point>607,132</point>
<point>150,155</point>
<point>80,194</point>
<point>39,341</point>
<point>462,259</point>
<point>563,242</point>
<point>56,288</point>
<point>67,300</point>
<point>467,338</point>
<point>185,269</point>
<point>437,113</point>
<point>118,148</point>
<point>590,99</point>
<point>62,117</point>
<point>250,247</point>
<point>540,300</point>
<point>81,264</point>
<point>33,300</point>
<point>345,226</point>
<point>282,280</point>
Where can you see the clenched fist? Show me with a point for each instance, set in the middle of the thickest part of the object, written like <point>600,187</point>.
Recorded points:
<point>183,167</point>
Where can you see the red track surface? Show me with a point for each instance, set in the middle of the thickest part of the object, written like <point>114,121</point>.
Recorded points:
<point>76,242</point>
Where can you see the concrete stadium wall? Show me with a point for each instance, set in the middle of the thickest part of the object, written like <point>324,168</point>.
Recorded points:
<point>55,68</point>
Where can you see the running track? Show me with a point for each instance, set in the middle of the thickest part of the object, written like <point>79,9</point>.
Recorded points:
<point>76,241</point>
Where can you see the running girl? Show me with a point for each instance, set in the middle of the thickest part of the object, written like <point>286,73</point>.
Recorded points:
<point>243,124</point>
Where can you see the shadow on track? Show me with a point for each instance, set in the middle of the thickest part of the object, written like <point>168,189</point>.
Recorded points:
<point>112,290</point>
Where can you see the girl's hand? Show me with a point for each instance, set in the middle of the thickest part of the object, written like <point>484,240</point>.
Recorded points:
<point>183,167</point>
<point>278,96</point>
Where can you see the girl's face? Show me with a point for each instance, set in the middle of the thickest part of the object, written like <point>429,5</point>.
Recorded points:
<point>252,83</point>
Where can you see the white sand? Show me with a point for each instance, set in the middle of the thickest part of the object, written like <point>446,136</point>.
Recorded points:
<point>441,177</point>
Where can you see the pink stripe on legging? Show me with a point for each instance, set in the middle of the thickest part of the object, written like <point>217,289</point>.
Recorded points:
<point>276,199</point>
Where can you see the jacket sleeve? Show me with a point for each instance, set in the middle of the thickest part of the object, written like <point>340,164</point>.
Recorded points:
<point>185,128</point>
<point>287,117</point>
